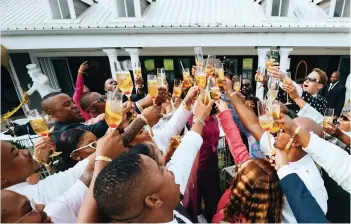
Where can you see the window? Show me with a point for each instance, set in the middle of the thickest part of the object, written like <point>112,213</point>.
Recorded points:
<point>247,68</point>
<point>342,8</point>
<point>149,65</point>
<point>125,8</point>
<point>280,7</point>
<point>60,9</point>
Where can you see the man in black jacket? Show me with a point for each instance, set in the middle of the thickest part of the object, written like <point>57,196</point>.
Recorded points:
<point>62,109</point>
<point>335,93</point>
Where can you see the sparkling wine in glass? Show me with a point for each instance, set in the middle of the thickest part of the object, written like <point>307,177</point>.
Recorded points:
<point>328,116</point>
<point>38,123</point>
<point>237,83</point>
<point>177,88</point>
<point>152,87</point>
<point>187,81</point>
<point>113,109</point>
<point>215,91</point>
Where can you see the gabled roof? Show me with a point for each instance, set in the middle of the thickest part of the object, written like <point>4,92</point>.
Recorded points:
<point>32,15</point>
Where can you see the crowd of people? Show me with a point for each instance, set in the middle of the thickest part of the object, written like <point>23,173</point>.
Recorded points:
<point>140,172</point>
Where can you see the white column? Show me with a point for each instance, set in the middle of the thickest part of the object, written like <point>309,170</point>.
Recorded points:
<point>112,57</point>
<point>262,52</point>
<point>134,55</point>
<point>284,58</point>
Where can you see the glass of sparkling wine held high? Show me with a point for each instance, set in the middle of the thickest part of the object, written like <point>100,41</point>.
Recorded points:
<point>113,109</point>
<point>124,81</point>
<point>219,71</point>
<point>275,112</point>
<point>200,77</point>
<point>187,81</point>
<point>161,78</point>
<point>237,83</point>
<point>137,74</point>
<point>38,123</point>
<point>265,118</point>
<point>177,88</point>
<point>214,88</point>
<point>328,116</point>
<point>152,87</point>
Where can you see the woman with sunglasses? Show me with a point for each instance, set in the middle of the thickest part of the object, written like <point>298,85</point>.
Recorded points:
<point>76,145</point>
<point>255,194</point>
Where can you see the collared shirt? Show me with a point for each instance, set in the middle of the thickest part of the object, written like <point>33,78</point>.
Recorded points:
<point>65,208</point>
<point>307,170</point>
<point>310,112</point>
<point>164,130</point>
<point>332,86</point>
<point>51,187</point>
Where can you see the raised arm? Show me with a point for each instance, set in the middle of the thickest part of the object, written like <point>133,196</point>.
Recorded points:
<point>110,146</point>
<point>183,158</point>
<point>235,143</point>
<point>334,160</point>
<point>247,116</point>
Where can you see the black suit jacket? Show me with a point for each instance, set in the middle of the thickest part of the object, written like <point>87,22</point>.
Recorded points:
<point>302,203</point>
<point>335,97</point>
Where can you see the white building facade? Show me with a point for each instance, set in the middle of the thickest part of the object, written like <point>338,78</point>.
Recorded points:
<point>58,35</point>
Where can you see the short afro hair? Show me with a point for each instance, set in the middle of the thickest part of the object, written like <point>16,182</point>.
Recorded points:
<point>117,187</point>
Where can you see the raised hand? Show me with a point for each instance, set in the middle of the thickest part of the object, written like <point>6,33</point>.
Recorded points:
<point>43,149</point>
<point>291,90</point>
<point>152,114</point>
<point>274,72</point>
<point>288,124</point>
<point>201,110</point>
<point>83,67</point>
<point>110,145</point>
<point>332,130</point>
<point>162,96</point>
<point>222,106</point>
<point>190,96</point>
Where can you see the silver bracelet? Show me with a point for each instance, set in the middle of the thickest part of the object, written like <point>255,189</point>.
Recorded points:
<point>199,120</point>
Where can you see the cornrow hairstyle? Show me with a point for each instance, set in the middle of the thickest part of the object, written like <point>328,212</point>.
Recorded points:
<point>117,186</point>
<point>256,195</point>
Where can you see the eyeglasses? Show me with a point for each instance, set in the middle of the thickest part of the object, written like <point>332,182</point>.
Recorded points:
<point>311,79</point>
<point>91,145</point>
<point>100,99</point>
<point>34,209</point>
<point>247,85</point>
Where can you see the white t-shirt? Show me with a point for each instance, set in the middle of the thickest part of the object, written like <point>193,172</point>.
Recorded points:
<point>51,187</point>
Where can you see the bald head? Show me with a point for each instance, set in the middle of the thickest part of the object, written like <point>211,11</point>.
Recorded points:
<point>309,125</point>
<point>110,85</point>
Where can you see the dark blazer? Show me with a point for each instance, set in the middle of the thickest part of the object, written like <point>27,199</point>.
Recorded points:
<point>98,129</point>
<point>335,97</point>
<point>302,203</point>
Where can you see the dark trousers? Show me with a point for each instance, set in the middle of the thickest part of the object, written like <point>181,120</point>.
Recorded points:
<point>209,186</point>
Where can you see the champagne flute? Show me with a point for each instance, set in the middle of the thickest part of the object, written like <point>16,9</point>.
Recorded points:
<point>137,74</point>
<point>152,87</point>
<point>265,119</point>
<point>177,88</point>
<point>215,91</point>
<point>161,78</point>
<point>286,77</point>
<point>113,109</point>
<point>260,74</point>
<point>38,123</point>
<point>187,82</point>
<point>237,83</point>
<point>275,113</point>
<point>200,78</point>
<point>205,96</point>
<point>199,57</point>
<point>125,82</point>
<point>11,126</point>
<point>328,116</point>
<point>219,71</point>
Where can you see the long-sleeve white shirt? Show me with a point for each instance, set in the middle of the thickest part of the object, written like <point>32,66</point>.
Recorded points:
<point>164,130</point>
<point>65,208</point>
<point>310,112</point>
<point>53,186</point>
<point>334,160</point>
<point>307,170</point>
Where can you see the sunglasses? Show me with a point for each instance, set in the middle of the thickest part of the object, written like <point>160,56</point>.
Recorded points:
<point>247,85</point>
<point>91,145</point>
<point>100,99</point>
<point>34,209</point>
<point>311,79</point>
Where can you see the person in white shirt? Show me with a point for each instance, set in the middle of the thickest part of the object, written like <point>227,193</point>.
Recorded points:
<point>18,165</point>
<point>334,160</point>
<point>303,164</point>
<point>135,188</point>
